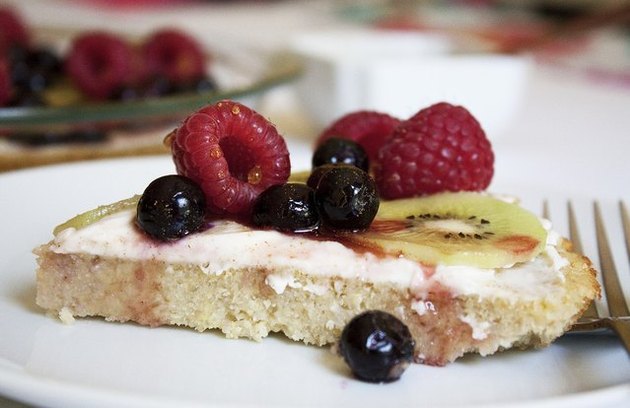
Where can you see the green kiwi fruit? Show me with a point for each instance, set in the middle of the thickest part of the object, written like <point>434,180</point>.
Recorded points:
<point>463,228</point>
<point>89,217</point>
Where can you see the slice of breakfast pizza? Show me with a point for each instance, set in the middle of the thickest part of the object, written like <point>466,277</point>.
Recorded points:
<point>409,265</point>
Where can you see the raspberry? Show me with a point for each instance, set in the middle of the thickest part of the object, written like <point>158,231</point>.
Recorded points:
<point>441,148</point>
<point>368,128</point>
<point>233,153</point>
<point>100,64</point>
<point>13,31</point>
<point>174,55</point>
<point>6,88</point>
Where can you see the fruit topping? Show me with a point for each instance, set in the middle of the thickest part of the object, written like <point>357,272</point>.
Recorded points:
<point>441,148</point>
<point>100,64</point>
<point>84,219</point>
<point>13,31</point>
<point>174,55</point>
<point>455,229</point>
<point>171,207</point>
<point>287,207</point>
<point>347,198</point>
<point>376,346</point>
<point>368,128</point>
<point>233,153</point>
<point>341,151</point>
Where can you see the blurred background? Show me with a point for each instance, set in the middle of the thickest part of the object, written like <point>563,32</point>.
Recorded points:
<point>304,63</point>
<point>549,80</point>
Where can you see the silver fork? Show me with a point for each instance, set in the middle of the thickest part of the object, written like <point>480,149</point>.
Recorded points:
<point>618,319</point>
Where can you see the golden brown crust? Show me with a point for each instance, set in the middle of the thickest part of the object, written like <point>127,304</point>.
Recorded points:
<point>242,304</point>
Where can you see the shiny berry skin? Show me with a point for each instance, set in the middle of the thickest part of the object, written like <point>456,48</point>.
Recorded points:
<point>368,128</point>
<point>175,55</point>
<point>341,151</point>
<point>233,153</point>
<point>441,148</point>
<point>287,207</point>
<point>100,64</point>
<point>318,172</point>
<point>376,346</point>
<point>170,208</point>
<point>347,199</point>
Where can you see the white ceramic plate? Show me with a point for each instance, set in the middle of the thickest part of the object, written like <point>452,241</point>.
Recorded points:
<point>95,363</point>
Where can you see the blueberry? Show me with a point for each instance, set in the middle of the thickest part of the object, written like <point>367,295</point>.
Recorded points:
<point>45,60</point>
<point>347,198</point>
<point>287,207</point>
<point>158,86</point>
<point>34,70</point>
<point>171,207</point>
<point>341,151</point>
<point>376,346</point>
<point>317,173</point>
<point>200,85</point>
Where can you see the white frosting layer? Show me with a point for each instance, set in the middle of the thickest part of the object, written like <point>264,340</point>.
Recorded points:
<point>229,245</point>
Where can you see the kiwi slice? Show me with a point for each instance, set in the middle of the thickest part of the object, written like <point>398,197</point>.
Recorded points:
<point>89,217</point>
<point>299,176</point>
<point>466,228</point>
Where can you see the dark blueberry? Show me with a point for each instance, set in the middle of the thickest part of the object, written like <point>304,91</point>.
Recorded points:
<point>287,207</point>
<point>347,198</point>
<point>171,207</point>
<point>44,60</point>
<point>33,71</point>
<point>376,346</point>
<point>341,151</point>
<point>158,86</point>
<point>126,94</point>
<point>155,87</point>
<point>201,85</point>
<point>206,84</point>
<point>317,173</point>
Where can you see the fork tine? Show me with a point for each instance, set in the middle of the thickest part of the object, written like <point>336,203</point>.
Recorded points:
<point>615,297</point>
<point>545,212</point>
<point>625,218</point>
<point>574,235</point>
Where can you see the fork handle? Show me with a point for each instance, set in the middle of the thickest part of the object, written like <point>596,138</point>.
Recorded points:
<point>622,328</point>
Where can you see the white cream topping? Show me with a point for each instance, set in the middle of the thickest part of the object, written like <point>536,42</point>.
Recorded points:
<point>230,245</point>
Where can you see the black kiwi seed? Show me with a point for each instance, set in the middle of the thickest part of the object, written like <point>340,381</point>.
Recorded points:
<point>416,220</point>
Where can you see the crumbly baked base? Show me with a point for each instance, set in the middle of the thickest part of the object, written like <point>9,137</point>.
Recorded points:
<point>241,304</point>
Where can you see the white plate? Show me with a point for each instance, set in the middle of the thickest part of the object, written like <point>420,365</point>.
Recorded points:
<point>94,363</point>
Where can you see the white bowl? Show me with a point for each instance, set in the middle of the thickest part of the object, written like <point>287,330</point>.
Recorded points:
<point>400,73</point>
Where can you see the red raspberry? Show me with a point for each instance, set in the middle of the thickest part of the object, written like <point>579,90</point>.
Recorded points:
<point>368,128</point>
<point>441,148</point>
<point>100,64</point>
<point>6,88</point>
<point>233,153</point>
<point>174,55</point>
<point>13,31</point>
